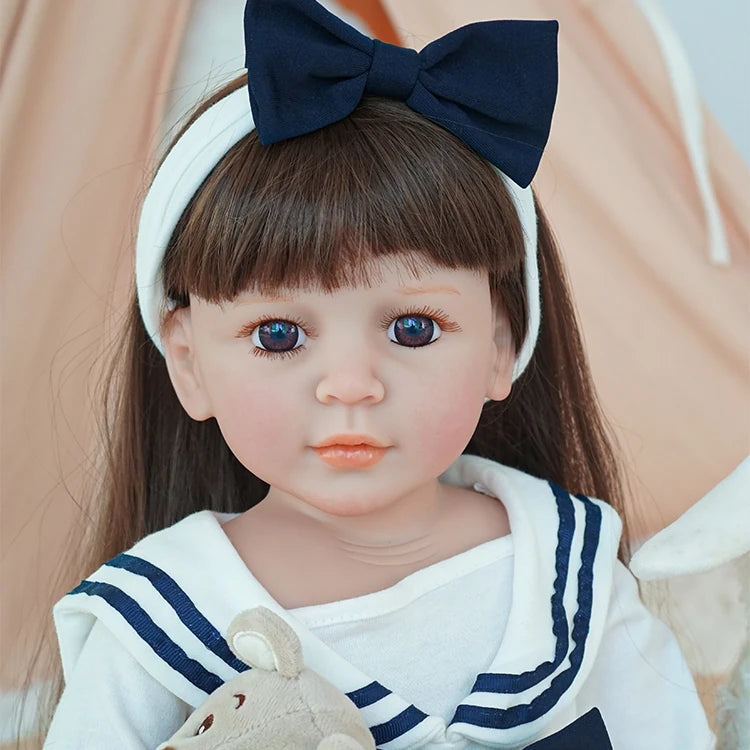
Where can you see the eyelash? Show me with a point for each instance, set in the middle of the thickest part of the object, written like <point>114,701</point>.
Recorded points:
<point>438,316</point>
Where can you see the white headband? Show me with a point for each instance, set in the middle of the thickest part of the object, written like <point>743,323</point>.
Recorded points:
<point>190,161</point>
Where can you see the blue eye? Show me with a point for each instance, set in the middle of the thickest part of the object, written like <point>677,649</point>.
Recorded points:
<point>286,337</point>
<point>413,330</point>
<point>278,336</point>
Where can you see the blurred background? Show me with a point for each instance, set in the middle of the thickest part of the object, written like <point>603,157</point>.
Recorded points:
<point>646,180</point>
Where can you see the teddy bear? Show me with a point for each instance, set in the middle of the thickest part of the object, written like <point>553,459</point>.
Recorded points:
<point>713,535</point>
<point>277,704</point>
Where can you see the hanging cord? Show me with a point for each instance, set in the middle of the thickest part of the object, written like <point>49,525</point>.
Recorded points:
<point>688,106</point>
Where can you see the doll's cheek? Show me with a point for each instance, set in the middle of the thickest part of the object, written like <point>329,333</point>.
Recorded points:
<point>446,424</point>
<point>247,410</point>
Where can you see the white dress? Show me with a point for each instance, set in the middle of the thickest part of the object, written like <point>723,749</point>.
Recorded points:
<point>499,646</point>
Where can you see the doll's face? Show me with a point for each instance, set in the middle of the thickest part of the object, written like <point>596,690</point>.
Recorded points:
<point>407,361</point>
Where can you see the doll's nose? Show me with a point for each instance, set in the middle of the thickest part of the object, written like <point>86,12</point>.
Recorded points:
<point>350,379</point>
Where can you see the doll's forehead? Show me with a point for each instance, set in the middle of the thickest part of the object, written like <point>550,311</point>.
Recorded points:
<point>386,275</point>
<point>291,295</point>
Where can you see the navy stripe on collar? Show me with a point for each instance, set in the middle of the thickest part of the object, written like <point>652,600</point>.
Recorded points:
<point>152,634</point>
<point>368,695</point>
<point>505,718</point>
<point>398,725</point>
<point>183,606</point>
<point>517,683</point>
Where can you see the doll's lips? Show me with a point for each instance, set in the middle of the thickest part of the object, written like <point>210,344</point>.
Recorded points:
<point>350,439</point>
<point>350,456</point>
<point>348,451</point>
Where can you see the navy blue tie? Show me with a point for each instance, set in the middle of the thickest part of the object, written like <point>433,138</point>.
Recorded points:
<point>493,83</point>
<point>587,732</point>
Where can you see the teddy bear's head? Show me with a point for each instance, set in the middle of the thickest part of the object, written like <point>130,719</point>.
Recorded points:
<point>276,704</point>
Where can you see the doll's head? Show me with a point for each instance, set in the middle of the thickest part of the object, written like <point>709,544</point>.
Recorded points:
<point>383,198</point>
<point>343,222</point>
<point>389,310</point>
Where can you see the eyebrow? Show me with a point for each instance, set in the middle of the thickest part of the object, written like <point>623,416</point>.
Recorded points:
<point>427,289</point>
<point>264,299</point>
<point>406,290</point>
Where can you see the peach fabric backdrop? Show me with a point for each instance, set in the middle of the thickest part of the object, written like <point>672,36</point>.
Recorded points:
<point>83,88</point>
<point>666,331</point>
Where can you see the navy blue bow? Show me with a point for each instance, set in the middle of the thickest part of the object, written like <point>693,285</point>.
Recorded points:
<point>493,84</point>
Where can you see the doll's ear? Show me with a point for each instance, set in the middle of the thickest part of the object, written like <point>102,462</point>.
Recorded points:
<point>179,352</point>
<point>501,374</point>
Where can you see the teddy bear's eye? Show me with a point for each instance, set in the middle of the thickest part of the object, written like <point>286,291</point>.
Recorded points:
<point>207,722</point>
<point>240,699</point>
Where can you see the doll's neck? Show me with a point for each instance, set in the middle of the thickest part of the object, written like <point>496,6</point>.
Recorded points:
<point>400,527</point>
<point>344,560</point>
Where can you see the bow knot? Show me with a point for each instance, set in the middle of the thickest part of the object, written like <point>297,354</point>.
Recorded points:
<point>393,71</point>
<point>492,84</point>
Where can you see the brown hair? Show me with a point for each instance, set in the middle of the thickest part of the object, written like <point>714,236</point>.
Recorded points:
<point>315,211</point>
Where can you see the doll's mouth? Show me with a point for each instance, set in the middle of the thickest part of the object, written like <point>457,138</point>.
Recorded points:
<point>350,456</point>
<point>350,439</point>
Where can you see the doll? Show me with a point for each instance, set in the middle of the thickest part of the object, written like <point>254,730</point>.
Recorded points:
<point>353,392</point>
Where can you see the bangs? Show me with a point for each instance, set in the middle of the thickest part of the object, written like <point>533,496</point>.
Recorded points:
<point>320,210</point>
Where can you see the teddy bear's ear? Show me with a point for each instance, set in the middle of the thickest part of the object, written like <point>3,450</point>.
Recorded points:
<point>264,640</point>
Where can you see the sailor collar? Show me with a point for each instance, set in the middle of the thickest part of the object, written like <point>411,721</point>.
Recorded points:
<point>172,619</point>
